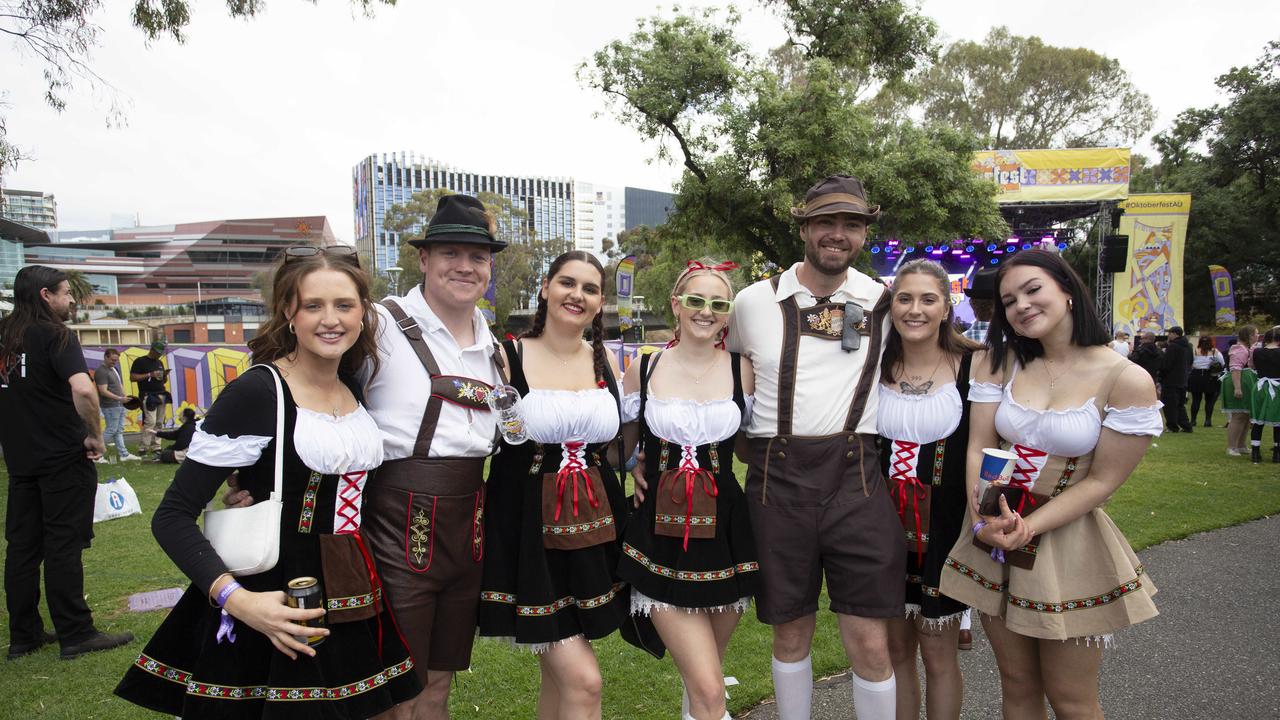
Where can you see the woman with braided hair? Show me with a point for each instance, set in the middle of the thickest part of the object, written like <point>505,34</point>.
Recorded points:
<point>555,507</point>
<point>689,554</point>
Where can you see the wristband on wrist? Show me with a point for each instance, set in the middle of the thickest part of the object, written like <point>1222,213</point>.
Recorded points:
<point>978,526</point>
<point>226,625</point>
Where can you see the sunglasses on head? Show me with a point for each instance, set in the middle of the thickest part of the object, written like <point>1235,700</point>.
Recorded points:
<point>697,302</point>
<point>344,252</point>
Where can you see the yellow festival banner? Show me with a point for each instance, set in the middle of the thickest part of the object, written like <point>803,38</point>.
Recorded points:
<point>1148,294</point>
<point>1056,175</point>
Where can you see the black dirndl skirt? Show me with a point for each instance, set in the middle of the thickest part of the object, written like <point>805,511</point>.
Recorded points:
<point>184,671</point>
<point>715,572</point>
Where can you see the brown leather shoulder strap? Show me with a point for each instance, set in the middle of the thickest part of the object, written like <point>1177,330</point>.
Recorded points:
<point>431,415</point>
<point>788,363</point>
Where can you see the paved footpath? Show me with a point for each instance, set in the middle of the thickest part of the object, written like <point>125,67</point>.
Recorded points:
<point>1213,652</point>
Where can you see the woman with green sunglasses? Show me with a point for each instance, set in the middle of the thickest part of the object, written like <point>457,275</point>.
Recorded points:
<point>688,552</point>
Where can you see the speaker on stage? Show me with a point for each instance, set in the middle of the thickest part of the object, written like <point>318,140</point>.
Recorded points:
<point>1115,253</point>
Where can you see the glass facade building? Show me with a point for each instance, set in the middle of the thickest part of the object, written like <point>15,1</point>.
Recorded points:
<point>29,207</point>
<point>647,207</point>
<point>383,180</point>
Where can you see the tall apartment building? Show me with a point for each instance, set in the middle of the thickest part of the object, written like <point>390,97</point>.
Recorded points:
<point>30,207</point>
<point>382,180</point>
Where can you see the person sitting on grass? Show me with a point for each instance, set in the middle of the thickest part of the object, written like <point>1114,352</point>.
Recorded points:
<point>181,437</point>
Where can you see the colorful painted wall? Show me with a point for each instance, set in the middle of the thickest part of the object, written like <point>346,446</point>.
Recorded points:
<point>197,373</point>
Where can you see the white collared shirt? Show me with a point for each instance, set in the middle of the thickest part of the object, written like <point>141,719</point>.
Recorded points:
<point>826,376</point>
<point>397,396</point>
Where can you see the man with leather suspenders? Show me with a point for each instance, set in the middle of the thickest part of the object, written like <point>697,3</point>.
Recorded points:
<point>424,510</point>
<point>818,503</point>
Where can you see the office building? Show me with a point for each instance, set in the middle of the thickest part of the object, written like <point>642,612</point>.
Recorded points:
<point>646,207</point>
<point>382,180</point>
<point>29,207</point>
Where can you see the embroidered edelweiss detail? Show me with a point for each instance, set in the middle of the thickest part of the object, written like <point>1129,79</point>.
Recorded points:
<point>827,322</point>
<point>471,391</point>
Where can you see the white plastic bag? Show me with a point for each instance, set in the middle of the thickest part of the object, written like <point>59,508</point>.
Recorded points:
<point>115,499</point>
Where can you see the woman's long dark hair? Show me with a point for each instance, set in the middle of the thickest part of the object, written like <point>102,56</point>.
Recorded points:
<point>953,344</point>
<point>597,325</point>
<point>29,308</point>
<point>1086,328</point>
<point>276,340</point>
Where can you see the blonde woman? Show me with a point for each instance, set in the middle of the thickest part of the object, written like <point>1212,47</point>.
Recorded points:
<point>688,553</point>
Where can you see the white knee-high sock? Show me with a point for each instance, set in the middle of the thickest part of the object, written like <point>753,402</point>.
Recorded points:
<point>684,701</point>
<point>874,700</point>
<point>965,621</point>
<point>793,683</point>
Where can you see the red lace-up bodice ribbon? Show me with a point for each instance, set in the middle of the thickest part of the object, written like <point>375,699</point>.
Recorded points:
<point>687,478</point>
<point>1025,471</point>
<point>907,487</point>
<point>573,469</point>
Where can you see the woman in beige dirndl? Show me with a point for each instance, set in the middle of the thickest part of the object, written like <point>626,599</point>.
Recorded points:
<point>1051,574</point>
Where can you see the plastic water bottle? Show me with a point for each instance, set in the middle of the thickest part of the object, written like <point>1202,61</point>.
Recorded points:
<point>505,401</point>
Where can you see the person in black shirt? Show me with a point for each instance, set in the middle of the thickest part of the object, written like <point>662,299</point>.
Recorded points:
<point>50,433</point>
<point>181,437</point>
<point>1147,355</point>
<point>151,376</point>
<point>1175,368</point>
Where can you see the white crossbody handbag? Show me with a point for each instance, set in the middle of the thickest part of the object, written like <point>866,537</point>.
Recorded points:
<point>248,539</point>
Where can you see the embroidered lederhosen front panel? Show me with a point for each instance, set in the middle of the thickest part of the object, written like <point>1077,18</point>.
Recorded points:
<point>467,392</point>
<point>419,531</point>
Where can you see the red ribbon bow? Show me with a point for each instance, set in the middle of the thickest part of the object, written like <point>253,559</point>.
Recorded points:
<point>908,484</point>
<point>725,266</point>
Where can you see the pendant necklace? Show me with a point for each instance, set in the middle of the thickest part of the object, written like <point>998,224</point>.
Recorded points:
<point>559,357</point>
<point>697,379</point>
<point>1053,380</point>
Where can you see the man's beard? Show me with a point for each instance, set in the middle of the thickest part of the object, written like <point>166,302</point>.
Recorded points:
<point>813,258</point>
<point>64,314</point>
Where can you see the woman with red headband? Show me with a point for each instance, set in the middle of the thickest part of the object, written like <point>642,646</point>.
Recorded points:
<point>688,552</point>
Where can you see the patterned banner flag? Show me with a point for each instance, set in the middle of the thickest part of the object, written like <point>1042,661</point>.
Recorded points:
<point>1224,298</point>
<point>624,280</point>
<point>489,303</point>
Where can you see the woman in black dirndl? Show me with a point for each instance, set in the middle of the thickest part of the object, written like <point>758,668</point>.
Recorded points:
<point>251,660</point>
<point>923,421</point>
<point>554,507</point>
<point>688,553</point>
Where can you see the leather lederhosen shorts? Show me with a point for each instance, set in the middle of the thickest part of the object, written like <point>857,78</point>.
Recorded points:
<point>819,507</point>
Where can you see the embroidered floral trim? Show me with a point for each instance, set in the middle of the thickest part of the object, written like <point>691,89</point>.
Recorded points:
<point>687,575</point>
<point>564,602</point>
<point>1081,603</point>
<point>665,519</point>
<point>471,391</point>
<point>264,692</point>
<point>939,457</point>
<point>973,575</point>
<point>494,596</point>
<point>537,462</point>
<point>353,602</point>
<point>419,540</point>
<point>579,528</point>
<point>914,579</point>
<point>912,536</point>
<point>160,670</point>
<point>1067,472</point>
<point>663,455</point>
<point>714,452</point>
<point>477,529</point>
<point>930,591</point>
<point>309,503</point>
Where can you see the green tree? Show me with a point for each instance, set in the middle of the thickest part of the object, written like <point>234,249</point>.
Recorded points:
<point>518,268</point>
<point>62,35</point>
<point>1228,157</point>
<point>753,136</point>
<point>1017,92</point>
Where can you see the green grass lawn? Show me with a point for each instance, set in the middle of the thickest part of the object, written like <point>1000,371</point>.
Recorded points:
<point>1186,484</point>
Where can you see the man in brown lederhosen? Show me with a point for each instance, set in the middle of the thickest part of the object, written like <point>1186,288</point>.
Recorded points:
<point>819,505</point>
<point>424,511</point>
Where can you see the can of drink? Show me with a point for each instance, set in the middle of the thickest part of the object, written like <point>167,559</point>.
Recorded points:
<point>305,593</point>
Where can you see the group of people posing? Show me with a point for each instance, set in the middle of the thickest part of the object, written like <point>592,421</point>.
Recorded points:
<point>859,411</point>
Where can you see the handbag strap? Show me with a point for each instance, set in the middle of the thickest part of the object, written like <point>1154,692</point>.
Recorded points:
<point>279,460</point>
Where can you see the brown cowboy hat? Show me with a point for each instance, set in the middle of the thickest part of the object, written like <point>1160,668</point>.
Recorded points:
<point>837,194</point>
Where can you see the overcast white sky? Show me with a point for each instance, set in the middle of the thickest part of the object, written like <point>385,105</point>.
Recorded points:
<point>267,117</point>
